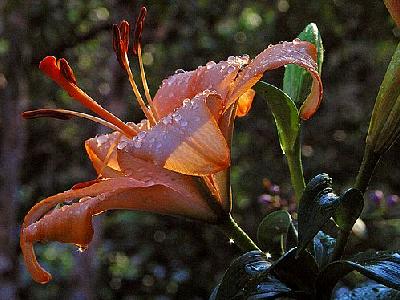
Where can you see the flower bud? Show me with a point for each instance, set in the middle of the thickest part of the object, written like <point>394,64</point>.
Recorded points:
<point>384,127</point>
<point>393,7</point>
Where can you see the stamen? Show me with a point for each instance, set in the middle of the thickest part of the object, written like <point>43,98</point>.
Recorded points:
<point>139,98</point>
<point>61,74</point>
<point>139,29</point>
<point>120,46</point>
<point>137,50</point>
<point>64,114</point>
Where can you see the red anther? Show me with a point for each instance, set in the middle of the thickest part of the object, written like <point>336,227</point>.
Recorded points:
<point>116,39</point>
<point>66,71</point>
<point>117,43</point>
<point>45,113</point>
<point>124,34</point>
<point>139,29</point>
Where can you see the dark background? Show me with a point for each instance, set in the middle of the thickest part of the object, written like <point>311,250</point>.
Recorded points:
<point>145,256</point>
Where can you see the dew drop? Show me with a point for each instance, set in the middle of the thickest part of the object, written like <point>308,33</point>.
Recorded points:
<point>179,71</point>
<point>183,123</point>
<point>141,135</point>
<point>121,145</point>
<point>167,120</point>
<point>210,64</point>
<point>82,248</point>
<point>177,117</point>
<point>231,59</point>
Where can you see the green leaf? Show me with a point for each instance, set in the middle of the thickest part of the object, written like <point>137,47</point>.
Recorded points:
<point>383,267</point>
<point>297,81</point>
<point>298,272</point>
<point>317,206</point>
<point>350,208</point>
<point>323,246</point>
<point>242,270</point>
<point>285,114</point>
<point>273,232</point>
<point>372,291</point>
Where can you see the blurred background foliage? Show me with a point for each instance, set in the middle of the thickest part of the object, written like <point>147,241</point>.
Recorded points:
<point>143,256</point>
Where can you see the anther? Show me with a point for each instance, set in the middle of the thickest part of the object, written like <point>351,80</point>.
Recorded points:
<point>139,29</point>
<point>124,29</point>
<point>116,41</point>
<point>66,71</point>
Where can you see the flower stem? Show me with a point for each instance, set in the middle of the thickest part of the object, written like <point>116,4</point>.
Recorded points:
<point>370,160</point>
<point>239,237</point>
<point>296,169</point>
<point>367,167</point>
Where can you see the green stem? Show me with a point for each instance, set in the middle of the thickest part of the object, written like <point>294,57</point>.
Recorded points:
<point>370,160</point>
<point>341,243</point>
<point>367,167</point>
<point>240,238</point>
<point>296,169</point>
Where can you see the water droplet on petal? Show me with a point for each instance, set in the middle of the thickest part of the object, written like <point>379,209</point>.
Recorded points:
<point>183,123</point>
<point>179,71</point>
<point>231,59</point>
<point>210,64</point>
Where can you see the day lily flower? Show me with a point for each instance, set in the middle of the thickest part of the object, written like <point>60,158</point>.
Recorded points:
<point>174,162</point>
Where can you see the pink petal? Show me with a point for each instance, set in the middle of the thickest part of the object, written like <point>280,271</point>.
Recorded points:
<point>213,76</point>
<point>185,185</point>
<point>187,141</point>
<point>297,52</point>
<point>173,91</point>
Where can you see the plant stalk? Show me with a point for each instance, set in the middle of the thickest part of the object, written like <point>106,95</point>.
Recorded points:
<point>239,237</point>
<point>367,167</point>
<point>293,157</point>
<point>370,160</point>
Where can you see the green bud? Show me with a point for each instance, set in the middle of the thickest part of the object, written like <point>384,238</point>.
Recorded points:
<point>384,127</point>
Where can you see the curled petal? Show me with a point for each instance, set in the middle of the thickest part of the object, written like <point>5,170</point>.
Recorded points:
<point>213,76</point>
<point>73,223</point>
<point>297,52</point>
<point>41,208</point>
<point>102,151</point>
<point>187,141</point>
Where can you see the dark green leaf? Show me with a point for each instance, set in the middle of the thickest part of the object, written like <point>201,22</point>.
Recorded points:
<point>317,206</point>
<point>297,81</point>
<point>273,232</point>
<point>242,270</point>
<point>285,114</point>
<point>271,288</point>
<point>298,272</point>
<point>383,267</point>
<point>351,205</point>
<point>323,246</point>
<point>372,291</point>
